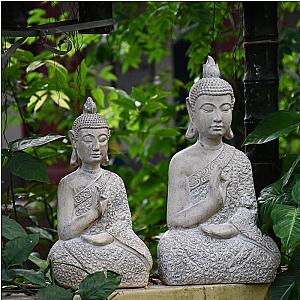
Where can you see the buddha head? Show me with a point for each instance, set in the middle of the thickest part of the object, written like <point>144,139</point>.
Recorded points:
<point>210,104</point>
<point>89,137</point>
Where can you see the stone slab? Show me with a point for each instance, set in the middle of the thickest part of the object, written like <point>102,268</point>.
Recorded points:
<point>194,292</point>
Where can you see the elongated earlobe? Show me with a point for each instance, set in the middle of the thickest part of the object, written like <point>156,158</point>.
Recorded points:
<point>74,161</point>
<point>229,134</point>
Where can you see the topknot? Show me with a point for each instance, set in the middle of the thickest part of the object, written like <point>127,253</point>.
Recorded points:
<point>89,106</point>
<point>89,118</point>
<point>211,84</point>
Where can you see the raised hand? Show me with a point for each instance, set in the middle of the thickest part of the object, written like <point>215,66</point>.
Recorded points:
<point>218,187</point>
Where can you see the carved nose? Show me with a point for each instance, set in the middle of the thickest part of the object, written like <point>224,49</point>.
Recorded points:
<point>96,145</point>
<point>217,116</point>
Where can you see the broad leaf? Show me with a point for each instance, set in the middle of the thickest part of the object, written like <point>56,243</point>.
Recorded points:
<point>17,250</point>
<point>44,234</point>
<point>7,275</point>
<point>25,143</point>
<point>287,176</point>
<point>54,292</point>
<point>27,167</point>
<point>273,126</point>
<point>32,276</point>
<point>11,229</point>
<point>269,196</point>
<point>98,286</point>
<point>41,263</point>
<point>286,220</point>
<point>98,95</point>
<point>296,192</point>
<point>283,286</point>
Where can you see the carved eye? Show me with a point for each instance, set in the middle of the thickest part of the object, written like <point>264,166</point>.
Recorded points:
<point>207,108</point>
<point>226,107</point>
<point>87,140</point>
<point>102,138</point>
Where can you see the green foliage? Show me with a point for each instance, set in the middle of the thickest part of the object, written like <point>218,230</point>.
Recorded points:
<point>98,286</point>
<point>54,292</point>
<point>274,126</point>
<point>11,229</point>
<point>45,88</point>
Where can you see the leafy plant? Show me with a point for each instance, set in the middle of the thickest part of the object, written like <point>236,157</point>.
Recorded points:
<point>280,205</point>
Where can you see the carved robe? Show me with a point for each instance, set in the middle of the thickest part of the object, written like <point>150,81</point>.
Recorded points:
<point>191,256</point>
<point>127,255</point>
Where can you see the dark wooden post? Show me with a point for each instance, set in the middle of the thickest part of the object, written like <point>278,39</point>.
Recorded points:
<point>261,84</point>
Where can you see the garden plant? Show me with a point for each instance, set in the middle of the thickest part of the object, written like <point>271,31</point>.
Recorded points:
<point>148,128</point>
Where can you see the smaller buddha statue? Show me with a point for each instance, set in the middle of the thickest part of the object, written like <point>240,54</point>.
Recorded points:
<point>212,208</point>
<point>94,220</point>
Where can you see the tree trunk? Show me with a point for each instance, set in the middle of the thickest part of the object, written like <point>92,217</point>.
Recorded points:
<point>261,85</point>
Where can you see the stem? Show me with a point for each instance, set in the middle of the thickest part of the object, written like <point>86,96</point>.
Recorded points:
<point>13,196</point>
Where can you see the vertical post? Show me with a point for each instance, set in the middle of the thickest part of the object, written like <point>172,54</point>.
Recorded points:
<point>261,84</point>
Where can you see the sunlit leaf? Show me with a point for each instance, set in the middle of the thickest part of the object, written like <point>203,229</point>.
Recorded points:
<point>21,144</point>
<point>60,99</point>
<point>275,125</point>
<point>11,229</point>
<point>98,95</point>
<point>34,65</point>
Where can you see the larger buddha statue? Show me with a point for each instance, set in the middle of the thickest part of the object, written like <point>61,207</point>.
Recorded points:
<point>212,208</point>
<point>94,220</point>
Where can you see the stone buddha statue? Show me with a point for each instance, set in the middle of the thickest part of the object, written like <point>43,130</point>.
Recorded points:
<point>94,220</point>
<point>212,208</point>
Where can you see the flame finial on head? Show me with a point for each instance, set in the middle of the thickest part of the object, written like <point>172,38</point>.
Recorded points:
<point>89,106</point>
<point>211,69</point>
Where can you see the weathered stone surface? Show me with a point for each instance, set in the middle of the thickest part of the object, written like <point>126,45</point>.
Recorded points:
<point>212,208</point>
<point>94,220</point>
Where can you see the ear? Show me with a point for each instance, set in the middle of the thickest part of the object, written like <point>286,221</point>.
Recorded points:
<point>189,109</point>
<point>72,138</point>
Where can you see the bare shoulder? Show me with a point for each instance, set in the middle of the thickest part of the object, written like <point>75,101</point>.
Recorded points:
<point>179,161</point>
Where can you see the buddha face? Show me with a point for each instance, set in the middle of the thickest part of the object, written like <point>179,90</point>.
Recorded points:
<point>213,115</point>
<point>92,145</point>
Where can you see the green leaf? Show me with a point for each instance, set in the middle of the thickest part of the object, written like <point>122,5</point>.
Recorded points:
<point>44,234</point>
<point>98,286</point>
<point>282,287</point>
<point>286,220</point>
<point>25,143</point>
<point>41,263</point>
<point>17,250</point>
<point>32,276</point>
<point>60,99</point>
<point>7,275</point>
<point>273,126</point>
<point>98,95</point>
<point>27,167</point>
<point>107,75</point>
<point>269,196</point>
<point>11,229</point>
<point>4,157</point>
<point>287,176</point>
<point>165,132</point>
<point>296,192</point>
<point>34,65</point>
<point>54,292</point>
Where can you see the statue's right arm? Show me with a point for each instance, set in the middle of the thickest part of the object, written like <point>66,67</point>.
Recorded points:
<point>179,214</point>
<point>70,225</point>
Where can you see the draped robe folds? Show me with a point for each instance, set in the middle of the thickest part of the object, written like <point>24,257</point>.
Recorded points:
<point>191,256</point>
<point>127,255</point>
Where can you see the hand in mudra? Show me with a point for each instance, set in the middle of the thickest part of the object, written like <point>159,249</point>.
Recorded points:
<point>218,188</point>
